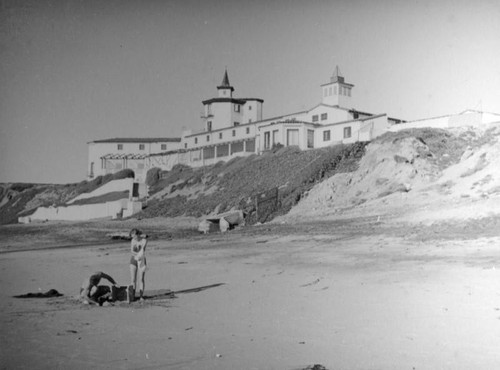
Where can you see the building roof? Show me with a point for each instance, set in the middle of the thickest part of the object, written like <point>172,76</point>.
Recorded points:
<point>230,100</point>
<point>282,116</point>
<point>225,82</point>
<point>478,111</point>
<point>337,77</point>
<point>123,156</point>
<point>140,140</point>
<point>326,124</point>
<point>355,120</point>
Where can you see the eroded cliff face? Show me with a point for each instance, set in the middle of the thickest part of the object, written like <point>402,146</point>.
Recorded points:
<point>409,172</point>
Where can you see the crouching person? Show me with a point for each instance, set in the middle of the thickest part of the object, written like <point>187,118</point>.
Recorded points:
<point>93,293</point>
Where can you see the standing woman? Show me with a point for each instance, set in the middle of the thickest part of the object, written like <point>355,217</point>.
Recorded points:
<point>138,261</point>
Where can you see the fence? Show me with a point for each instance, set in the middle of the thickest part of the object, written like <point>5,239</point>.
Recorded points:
<point>266,203</point>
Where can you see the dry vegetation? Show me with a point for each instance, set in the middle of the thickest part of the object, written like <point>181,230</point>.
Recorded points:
<point>196,192</point>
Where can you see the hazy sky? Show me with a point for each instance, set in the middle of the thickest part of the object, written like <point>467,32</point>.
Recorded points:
<point>76,71</point>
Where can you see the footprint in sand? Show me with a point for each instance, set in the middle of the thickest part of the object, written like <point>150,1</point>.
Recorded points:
<point>311,283</point>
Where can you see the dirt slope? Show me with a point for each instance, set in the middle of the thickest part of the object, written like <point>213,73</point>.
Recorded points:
<point>415,174</point>
<point>235,184</point>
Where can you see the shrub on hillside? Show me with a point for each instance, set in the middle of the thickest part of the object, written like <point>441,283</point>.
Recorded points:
<point>153,176</point>
<point>180,168</point>
<point>445,147</point>
<point>89,186</point>
<point>123,174</point>
<point>276,147</point>
<point>237,183</point>
<point>21,186</point>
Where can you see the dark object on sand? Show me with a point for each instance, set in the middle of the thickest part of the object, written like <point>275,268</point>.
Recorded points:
<point>315,367</point>
<point>50,294</point>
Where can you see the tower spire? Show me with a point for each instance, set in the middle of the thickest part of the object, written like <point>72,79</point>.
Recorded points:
<point>225,85</point>
<point>225,80</point>
<point>337,77</point>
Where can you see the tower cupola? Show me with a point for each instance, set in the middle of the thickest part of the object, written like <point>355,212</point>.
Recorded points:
<point>337,92</point>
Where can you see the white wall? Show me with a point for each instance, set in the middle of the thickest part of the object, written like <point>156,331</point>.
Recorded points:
<point>337,94</point>
<point>361,130</point>
<point>467,118</point>
<point>84,212</point>
<point>112,186</point>
<point>222,115</point>
<point>333,115</point>
<point>254,114</point>
<point>437,122</point>
<point>490,118</point>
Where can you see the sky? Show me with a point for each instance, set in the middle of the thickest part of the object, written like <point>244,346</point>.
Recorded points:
<point>75,71</point>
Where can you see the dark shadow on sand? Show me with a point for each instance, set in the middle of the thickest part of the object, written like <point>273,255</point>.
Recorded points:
<point>167,293</point>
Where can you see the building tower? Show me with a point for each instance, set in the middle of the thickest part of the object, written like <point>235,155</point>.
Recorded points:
<point>226,111</point>
<point>337,92</point>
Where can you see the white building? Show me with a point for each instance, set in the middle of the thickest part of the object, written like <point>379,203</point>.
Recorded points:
<point>234,126</point>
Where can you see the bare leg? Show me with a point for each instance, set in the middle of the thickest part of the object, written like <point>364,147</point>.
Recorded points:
<point>142,282</point>
<point>133,275</point>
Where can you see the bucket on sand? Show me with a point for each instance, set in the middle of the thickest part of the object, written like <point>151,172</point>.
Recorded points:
<point>119,293</point>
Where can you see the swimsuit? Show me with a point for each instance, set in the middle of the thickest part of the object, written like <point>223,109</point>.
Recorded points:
<point>133,261</point>
<point>136,247</point>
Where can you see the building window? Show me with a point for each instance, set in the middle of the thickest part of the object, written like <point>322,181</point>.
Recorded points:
<point>250,120</point>
<point>330,91</point>
<point>347,132</point>
<point>185,145</point>
<point>355,115</point>
<point>237,108</point>
<point>119,147</point>
<point>335,90</point>
<point>249,107</point>
<point>142,146</point>
<point>326,135</point>
<point>315,118</point>
<point>292,137</point>
<point>163,146</point>
<point>196,140</point>
<point>220,135</point>
<point>267,140</point>
<point>236,123</point>
<point>310,138</point>
<point>209,109</point>
<point>275,137</point>
<point>348,92</point>
<point>208,137</point>
<point>209,126</point>
<point>324,116</point>
<point>234,132</point>
<point>248,130</point>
